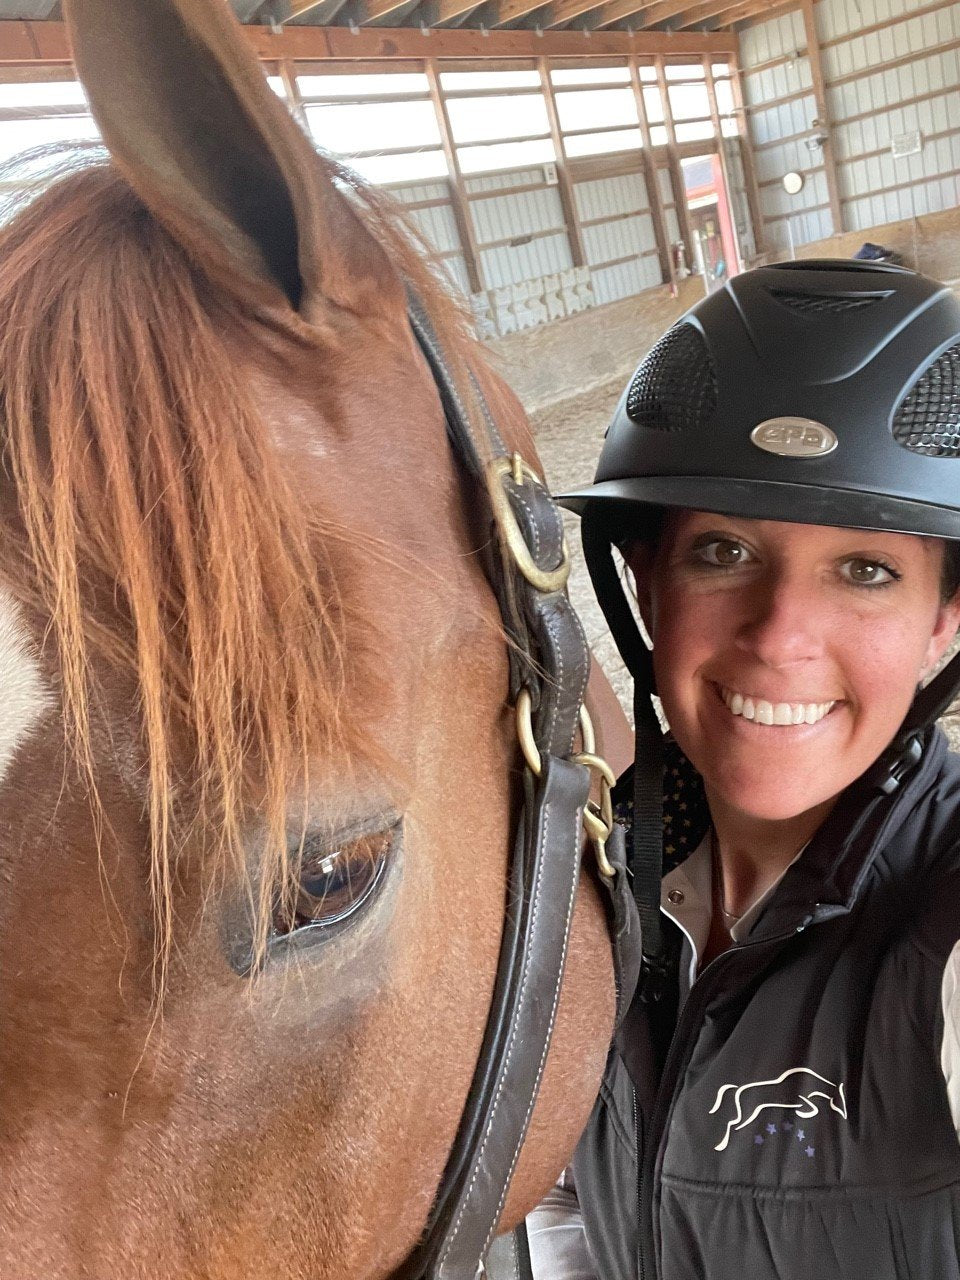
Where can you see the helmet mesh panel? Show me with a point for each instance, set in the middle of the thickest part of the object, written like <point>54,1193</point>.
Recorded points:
<point>928,420</point>
<point>675,388</point>
<point>824,304</point>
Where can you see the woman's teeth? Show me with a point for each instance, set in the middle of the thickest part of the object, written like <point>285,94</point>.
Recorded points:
<point>762,712</point>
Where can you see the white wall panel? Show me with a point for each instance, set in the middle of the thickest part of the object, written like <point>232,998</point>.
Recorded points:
<point>603,196</point>
<point>502,217</point>
<point>611,240</point>
<point>625,279</point>
<point>872,106</point>
<point>511,264</point>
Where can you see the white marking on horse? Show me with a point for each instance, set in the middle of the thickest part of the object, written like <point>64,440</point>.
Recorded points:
<point>796,1096</point>
<point>24,694</point>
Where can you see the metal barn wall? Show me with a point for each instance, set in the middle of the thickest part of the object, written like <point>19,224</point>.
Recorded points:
<point>618,235</point>
<point>890,67</point>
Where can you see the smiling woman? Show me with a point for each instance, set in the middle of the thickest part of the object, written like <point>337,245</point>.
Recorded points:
<point>782,479</point>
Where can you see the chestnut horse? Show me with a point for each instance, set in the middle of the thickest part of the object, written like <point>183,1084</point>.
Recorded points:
<point>259,770</point>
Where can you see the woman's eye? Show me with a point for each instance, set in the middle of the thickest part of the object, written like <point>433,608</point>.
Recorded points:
<point>723,553</point>
<point>868,573</point>
<point>330,885</point>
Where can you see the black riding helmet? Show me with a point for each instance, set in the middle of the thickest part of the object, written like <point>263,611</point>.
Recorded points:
<point>822,392</point>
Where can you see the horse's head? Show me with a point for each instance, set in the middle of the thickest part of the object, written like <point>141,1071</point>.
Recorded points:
<point>258,773</point>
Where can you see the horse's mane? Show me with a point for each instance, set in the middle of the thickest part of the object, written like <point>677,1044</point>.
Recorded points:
<point>156,524</point>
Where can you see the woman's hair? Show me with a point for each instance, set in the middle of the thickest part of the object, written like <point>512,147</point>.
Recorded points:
<point>950,574</point>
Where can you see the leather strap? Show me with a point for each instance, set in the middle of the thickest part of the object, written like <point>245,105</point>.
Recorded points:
<point>549,659</point>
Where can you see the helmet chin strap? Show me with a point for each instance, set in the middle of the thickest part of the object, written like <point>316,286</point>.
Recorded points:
<point>928,706</point>
<point>646,863</point>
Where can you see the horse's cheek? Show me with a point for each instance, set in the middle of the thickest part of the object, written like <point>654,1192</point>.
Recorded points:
<point>577,1057</point>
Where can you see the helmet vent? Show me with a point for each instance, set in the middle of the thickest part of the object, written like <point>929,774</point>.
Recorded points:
<point>928,420</point>
<point>675,388</point>
<point>826,303</point>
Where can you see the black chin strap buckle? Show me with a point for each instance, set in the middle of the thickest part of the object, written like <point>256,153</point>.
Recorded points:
<point>654,979</point>
<point>894,765</point>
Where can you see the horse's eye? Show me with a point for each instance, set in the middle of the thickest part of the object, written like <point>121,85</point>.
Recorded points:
<point>331,884</point>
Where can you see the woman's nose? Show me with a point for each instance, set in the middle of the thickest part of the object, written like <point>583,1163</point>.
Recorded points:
<point>784,622</point>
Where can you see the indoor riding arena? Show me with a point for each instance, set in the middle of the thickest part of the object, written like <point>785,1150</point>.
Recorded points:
<point>358,921</point>
<point>584,171</point>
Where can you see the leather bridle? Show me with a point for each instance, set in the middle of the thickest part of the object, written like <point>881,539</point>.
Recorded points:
<point>549,667</point>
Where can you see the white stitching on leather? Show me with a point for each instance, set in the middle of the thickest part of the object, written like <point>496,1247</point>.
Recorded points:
<point>510,1048</point>
<point>546,1047</point>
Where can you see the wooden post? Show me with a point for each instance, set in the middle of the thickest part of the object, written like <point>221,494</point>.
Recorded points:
<point>823,113</point>
<point>655,198</point>
<point>567,197</point>
<point>288,75</point>
<point>676,170</point>
<point>746,155</point>
<point>458,192</point>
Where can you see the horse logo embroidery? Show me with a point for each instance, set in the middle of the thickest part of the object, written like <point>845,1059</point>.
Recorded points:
<point>795,1090</point>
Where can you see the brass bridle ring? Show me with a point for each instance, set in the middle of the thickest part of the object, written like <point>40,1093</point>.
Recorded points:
<point>597,818</point>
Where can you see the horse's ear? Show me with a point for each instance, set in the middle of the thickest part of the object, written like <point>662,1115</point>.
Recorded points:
<point>190,119</point>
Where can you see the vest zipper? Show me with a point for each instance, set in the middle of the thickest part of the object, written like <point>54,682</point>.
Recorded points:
<point>680,1047</point>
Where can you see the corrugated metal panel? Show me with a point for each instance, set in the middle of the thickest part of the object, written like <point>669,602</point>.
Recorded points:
<point>782,121</point>
<point>774,39</point>
<point>836,18</point>
<point>625,279</point>
<point>777,82</point>
<point>602,196</point>
<point>502,217</point>
<point>611,240</point>
<point>438,227</point>
<point>509,265</point>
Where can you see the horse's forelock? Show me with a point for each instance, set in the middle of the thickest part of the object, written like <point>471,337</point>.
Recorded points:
<point>145,478</point>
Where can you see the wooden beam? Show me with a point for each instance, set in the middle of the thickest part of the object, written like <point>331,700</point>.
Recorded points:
<point>747,156</point>
<point>300,7</point>
<point>447,10</point>
<point>563,11</point>
<point>511,10</point>
<point>372,10</point>
<point>654,195</point>
<point>823,113</point>
<point>676,169</point>
<point>36,42</point>
<point>703,12</point>
<point>567,200</point>
<point>758,11</point>
<point>458,192</point>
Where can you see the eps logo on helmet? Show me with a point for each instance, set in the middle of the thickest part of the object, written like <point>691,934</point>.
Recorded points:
<point>794,437</point>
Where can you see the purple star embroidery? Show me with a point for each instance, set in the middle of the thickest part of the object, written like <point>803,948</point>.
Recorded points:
<point>800,1135</point>
<point>810,1151</point>
<point>771,1128</point>
<point>758,1140</point>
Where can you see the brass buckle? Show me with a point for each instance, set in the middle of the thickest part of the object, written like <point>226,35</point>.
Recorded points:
<point>597,818</point>
<point>545,580</point>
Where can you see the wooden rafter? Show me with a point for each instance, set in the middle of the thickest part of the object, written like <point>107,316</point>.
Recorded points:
<point>563,11</point>
<point>618,11</point>
<point>373,10</point>
<point>823,113</point>
<point>28,43</point>
<point>662,11</point>
<point>447,10</point>
<point>758,11</point>
<point>704,12</point>
<point>300,7</point>
<point>510,10</point>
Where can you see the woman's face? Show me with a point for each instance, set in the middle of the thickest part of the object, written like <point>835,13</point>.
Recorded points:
<point>787,655</point>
